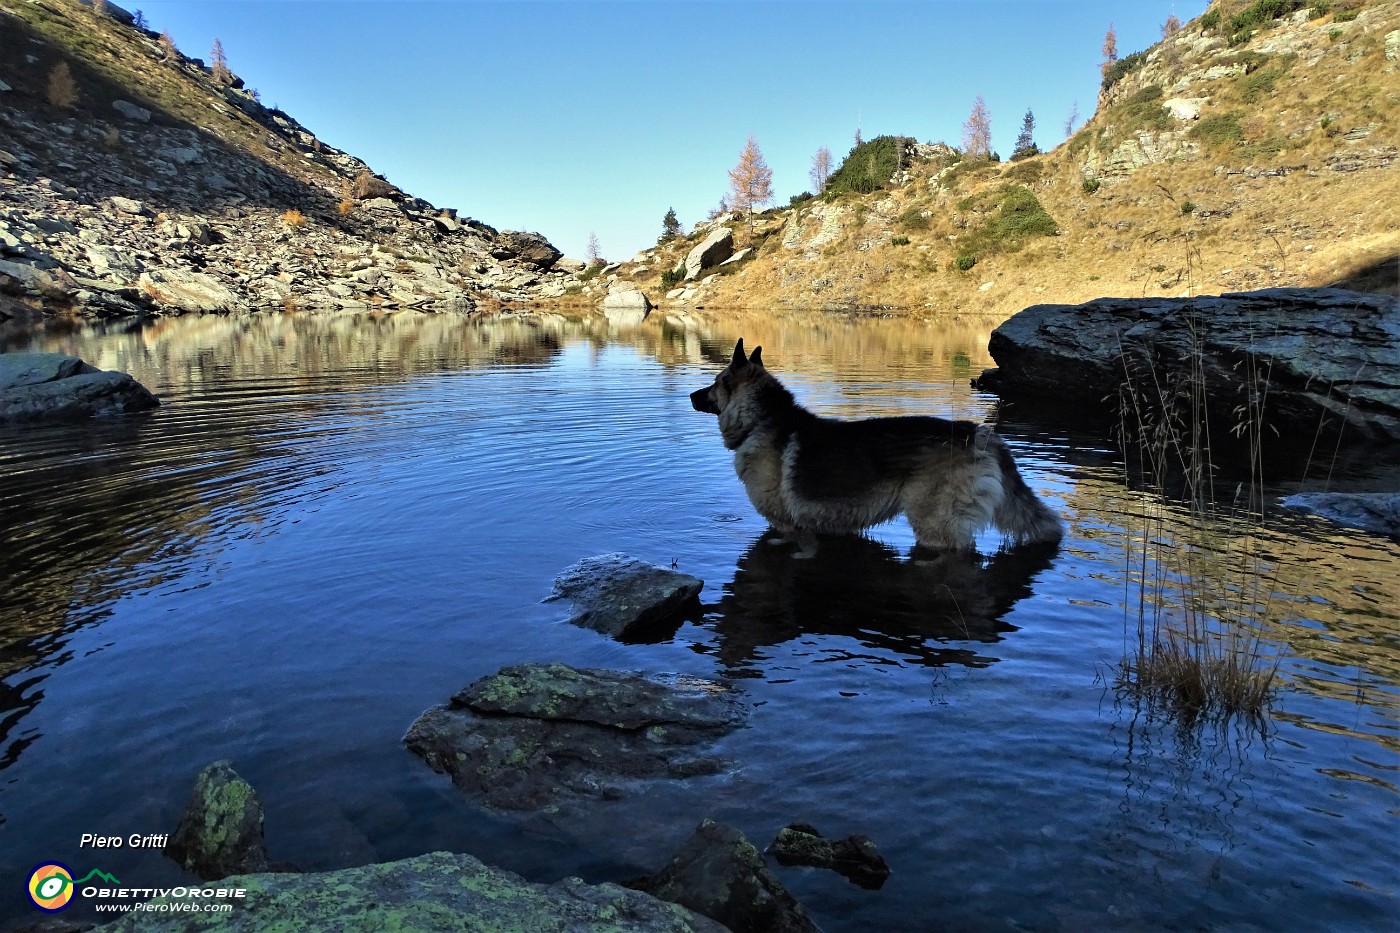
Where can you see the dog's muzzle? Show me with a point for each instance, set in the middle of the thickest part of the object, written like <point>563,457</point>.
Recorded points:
<point>700,401</point>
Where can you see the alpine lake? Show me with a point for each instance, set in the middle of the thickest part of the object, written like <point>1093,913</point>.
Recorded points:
<point>336,521</point>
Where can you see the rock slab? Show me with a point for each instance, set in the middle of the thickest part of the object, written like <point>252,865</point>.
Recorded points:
<point>533,735</point>
<point>856,857</point>
<point>709,252</point>
<point>1324,360</point>
<point>55,385</point>
<point>719,873</point>
<point>1376,512</point>
<point>620,595</point>
<point>221,831</point>
<point>434,893</point>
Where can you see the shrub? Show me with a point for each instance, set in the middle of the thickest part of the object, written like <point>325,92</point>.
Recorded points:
<point>964,261</point>
<point>1262,13</point>
<point>1345,16</point>
<point>966,204</point>
<point>899,241</point>
<point>346,207</point>
<point>1115,72</point>
<point>1210,19</point>
<point>913,219</point>
<point>294,219</point>
<point>1021,216</point>
<point>1187,207</point>
<point>1027,172</point>
<point>1144,111</point>
<point>62,90</point>
<point>671,278</point>
<point>1219,130</point>
<point>868,166</point>
<point>1090,184</point>
<point>1320,9</point>
<point>1335,34</point>
<point>797,199</point>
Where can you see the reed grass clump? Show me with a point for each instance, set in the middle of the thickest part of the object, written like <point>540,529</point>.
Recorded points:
<point>1201,593</point>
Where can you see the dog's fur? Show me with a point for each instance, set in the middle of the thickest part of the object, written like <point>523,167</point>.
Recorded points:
<point>810,475</point>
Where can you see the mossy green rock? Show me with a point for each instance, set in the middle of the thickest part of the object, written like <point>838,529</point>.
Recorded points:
<point>435,893</point>
<point>221,831</point>
<point>528,736</point>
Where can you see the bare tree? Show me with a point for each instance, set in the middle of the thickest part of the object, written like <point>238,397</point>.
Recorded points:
<point>859,139</point>
<point>721,209</point>
<point>1072,119</point>
<point>218,65</point>
<point>751,181</point>
<point>99,7</point>
<point>62,90</point>
<point>977,131</point>
<point>1110,49</point>
<point>1171,27</point>
<point>167,46</point>
<point>591,252</point>
<point>821,170</point>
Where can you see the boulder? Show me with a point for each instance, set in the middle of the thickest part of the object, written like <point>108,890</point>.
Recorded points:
<point>132,112</point>
<point>620,595</point>
<point>1376,512</point>
<point>129,206</point>
<point>118,264</point>
<point>719,873</point>
<point>529,248</point>
<point>709,252</point>
<point>430,893</point>
<point>221,830</point>
<point>626,305</point>
<point>535,735</point>
<point>855,857</point>
<point>187,291</point>
<point>738,257</point>
<point>1330,357</point>
<point>55,385</point>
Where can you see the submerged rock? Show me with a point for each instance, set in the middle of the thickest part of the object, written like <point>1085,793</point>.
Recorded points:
<point>620,595</point>
<point>528,736</point>
<point>719,873</point>
<point>55,385</point>
<point>221,831</point>
<point>1320,358</point>
<point>1377,512</point>
<point>856,857</point>
<point>431,893</point>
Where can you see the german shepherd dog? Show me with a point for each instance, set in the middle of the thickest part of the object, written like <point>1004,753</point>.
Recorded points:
<point>810,475</point>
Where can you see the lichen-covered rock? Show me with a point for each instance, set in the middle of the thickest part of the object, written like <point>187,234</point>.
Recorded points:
<point>1377,512</point>
<point>856,856</point>
<point>532,735</point>
<point>435,893</point>
<point>620,595</point>
<point>55,385</point>
<point>221,831</point>
<point>719,873</point>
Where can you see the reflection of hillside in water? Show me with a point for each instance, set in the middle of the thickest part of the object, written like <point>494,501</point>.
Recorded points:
<point>923,609</point>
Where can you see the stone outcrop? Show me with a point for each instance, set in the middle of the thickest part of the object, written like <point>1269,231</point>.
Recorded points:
<point>709,252</point>
<point>429,893</point>
<point>1376,512</point>
<point>856,857</point>
<point>621,596</point>
<point>221,830</point>
<point>1319,360</point>
<point>54,385</point>
<point>533,735</point>
<point>719,873</point>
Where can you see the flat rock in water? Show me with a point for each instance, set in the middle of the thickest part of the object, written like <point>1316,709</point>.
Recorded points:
<point>533,734</point>
<point>1377,512</point>
<point>856,857</point>
<point>719,873</point>
<point>431,893</point>
<point>620,595</point>
<point>54,385</point>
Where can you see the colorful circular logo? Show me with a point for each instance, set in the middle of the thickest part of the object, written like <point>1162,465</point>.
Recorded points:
<point>51,886</point>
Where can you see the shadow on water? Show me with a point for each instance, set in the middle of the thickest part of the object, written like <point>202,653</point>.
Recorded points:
<point>907,609</point>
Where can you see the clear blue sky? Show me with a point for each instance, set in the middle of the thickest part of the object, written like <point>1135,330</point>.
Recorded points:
<point>566,118</point>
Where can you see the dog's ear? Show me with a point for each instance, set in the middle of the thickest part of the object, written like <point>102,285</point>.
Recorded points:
<point>756,358</point>
<point>739,361</point>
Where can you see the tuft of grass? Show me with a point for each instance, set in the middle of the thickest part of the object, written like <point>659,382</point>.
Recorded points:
<point>899,241</point>
<point>294,219</point>
<point>1219,130</point>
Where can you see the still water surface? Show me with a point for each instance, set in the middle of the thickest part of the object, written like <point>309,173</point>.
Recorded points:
<point>335,522</point>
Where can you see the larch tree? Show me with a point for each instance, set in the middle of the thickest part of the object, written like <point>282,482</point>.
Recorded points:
<point>1110,49</point>
<point>62,90</point>
<point>821,170</point>
<point>751,181</point>
<point>1025,143</point>
<point>218,64</point>
<point>977,131</point>
<point>1072,119</point>
<point>592,252</point>
<point>167,46</point>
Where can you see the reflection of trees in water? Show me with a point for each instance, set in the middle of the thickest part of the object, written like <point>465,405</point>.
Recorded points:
<point>923,609</point>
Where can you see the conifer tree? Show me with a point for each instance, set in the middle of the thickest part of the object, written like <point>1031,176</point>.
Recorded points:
<point>1110,49</point>
<point>138,20</point>
<point>219,65</point>
<point>670,226</point>
<point>977,131</point>
<point>1072,119</point>
<point>751,181</point>
<point>1025,143</point>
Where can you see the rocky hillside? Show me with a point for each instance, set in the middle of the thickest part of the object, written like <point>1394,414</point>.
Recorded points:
<point>1247,151</point>
<point>135,180</point>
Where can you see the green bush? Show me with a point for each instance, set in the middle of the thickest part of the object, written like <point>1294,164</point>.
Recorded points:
<point>1262,13</point>
<point>868,166</point>
<point>1187,207</point>
<point>1021,216</point>
<point>1090,184</point>
<point>1210,19</point>
<point>1115,72</point>
<point>797,199</point>
<point>1144,111</point>
<point>966,204</point>
<point>899,241</point>
<point>1320,9</point>
<point>672,277</point>
<point>1027,172</point>
<point>913,219</point>
<point>1219,130</point>
<point>1345,16</point>
<point>964,262</point>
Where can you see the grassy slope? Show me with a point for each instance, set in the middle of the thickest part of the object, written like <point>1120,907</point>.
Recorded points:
<point>1317,81</point>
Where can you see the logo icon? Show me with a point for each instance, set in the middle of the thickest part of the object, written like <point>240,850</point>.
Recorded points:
<point>51,886</point>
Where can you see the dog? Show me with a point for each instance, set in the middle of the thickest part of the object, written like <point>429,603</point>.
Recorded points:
<point>809,475</point>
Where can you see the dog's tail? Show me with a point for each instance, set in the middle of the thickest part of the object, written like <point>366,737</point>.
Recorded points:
<point>1021,516</point>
